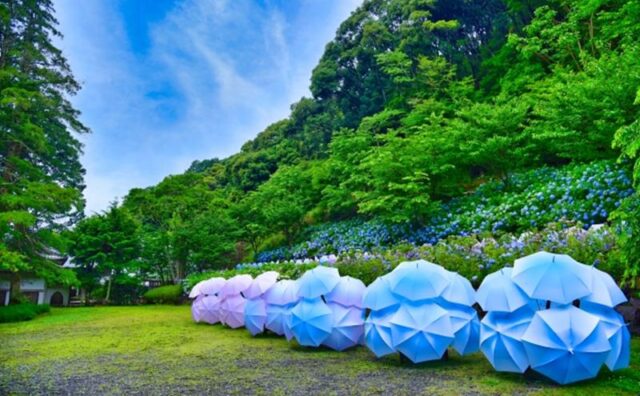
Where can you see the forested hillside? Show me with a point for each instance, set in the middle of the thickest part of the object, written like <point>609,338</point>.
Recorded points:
<point>414,103</point>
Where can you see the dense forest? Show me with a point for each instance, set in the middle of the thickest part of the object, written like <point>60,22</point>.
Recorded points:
<point>415,104</point>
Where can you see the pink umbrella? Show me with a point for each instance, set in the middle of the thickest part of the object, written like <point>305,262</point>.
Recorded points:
<point>261,284</point>
<point>349,292</point>
<point>197,308</point>
<point>211,309</point>
<point>233,311</point>
<point>235,285</point>
<point>211,286</point>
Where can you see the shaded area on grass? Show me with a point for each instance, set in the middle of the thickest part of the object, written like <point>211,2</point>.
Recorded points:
<point>159,350</point>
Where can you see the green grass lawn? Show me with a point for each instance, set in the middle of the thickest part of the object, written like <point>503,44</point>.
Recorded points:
<point>159,350</point>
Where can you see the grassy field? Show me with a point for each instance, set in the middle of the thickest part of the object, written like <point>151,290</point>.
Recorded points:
<point>159,350</point>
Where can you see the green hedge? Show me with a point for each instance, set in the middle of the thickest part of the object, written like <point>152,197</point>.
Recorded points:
<point>169,294</point>
<point>22,312</point>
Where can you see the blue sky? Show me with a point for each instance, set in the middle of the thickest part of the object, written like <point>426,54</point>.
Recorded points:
<point>166,82</point>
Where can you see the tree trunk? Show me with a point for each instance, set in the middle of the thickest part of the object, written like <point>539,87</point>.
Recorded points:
<point>15,288</point>
<point>108,296</point>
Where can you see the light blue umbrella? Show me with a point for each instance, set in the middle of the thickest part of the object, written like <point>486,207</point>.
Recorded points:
<point>311,322</point>
<point>348,327</point>
<point>277,318</point>
<point>283,292</point>
<point>378,295</point>
<point>348,292</point>
<point>617,333</point>
<point>286,328</point>
<point>604,290</point>
<point>255,315</point>
<point>418,280</point>
<point>459,290</point>
<point>500,339</point>
<point>421,331</point>
<point>498,293</point>
<point>566,344</point>
<point>377,332</point>
<point>466,327</point>
<point>553,277</point>
<point>318,281</point>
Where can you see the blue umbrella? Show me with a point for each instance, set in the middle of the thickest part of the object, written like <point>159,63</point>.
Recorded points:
<point>617,333</point>
<point>466,327</point>
<point>554,277</point>
<point>421,331</point>
<point>459,290</point>
<point>348,292</point>
<point>418,280</point>
<point>500,339</point>
<point>276,318</point>
<point>318,281</point>
<point>255,315</point>
<point>311,322</point>
<point>498,293</point>
<point>282,292</point>
<point>348,327</point>
<point>604,290</point>
<point>378,295</point>
<point>566,344</point>
<point>377,332</point>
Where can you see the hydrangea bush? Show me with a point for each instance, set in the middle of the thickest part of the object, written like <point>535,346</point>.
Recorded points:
<point>584,193</point>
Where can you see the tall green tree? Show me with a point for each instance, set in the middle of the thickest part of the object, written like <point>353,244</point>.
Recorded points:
<point>41,179</point>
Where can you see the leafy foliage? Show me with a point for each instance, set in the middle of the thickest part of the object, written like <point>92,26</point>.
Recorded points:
<point>169,294</point>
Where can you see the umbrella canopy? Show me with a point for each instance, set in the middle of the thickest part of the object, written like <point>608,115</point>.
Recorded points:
<point>604,290</point>
<point>459,290</point>
<point>466,327</point>
<point>500,339</point>
<point>498,293</point>
<point>211,309</point>
<point>554,277</point>
<point>377,332</point>
<point>348,292</point>
<point>378,295</point>
<point>348,327</point>
<point>421,331</point>
<point>236,285</point>
<point>617,333</point>
<point>311,322</point>
<point>566,344</point>
<point>277,317</point>
<point>318,281</point>
<point>284,292</point>
<point>418,280</point>
<point>261,284</point>
<point>197,308</point>
<point>233,311</point>
<point>211,286</point>
<point>255,315</point>
<point>195,290</point>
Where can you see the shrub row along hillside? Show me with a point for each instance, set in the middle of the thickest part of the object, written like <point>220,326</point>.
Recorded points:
<point>473,256</point>
<point>583,194</point>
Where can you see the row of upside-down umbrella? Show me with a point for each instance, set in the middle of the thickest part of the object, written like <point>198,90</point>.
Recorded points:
<point>549,313</point>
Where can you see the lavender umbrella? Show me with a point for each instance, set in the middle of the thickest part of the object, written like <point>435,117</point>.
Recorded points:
<point>236,285</point>
<point>261,284</point>
<point>211,286</point>
<point>348,292</point>
<point>211,309</point>
<point>197,308</point>
<point>284,292</point>
<point>233,309</point>
<point>195,290</point>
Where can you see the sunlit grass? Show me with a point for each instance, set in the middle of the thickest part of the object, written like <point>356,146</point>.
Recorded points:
<point>158,349</point>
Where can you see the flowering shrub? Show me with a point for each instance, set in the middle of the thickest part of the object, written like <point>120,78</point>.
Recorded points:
<point>472,256</point>
<point>585,193</point>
